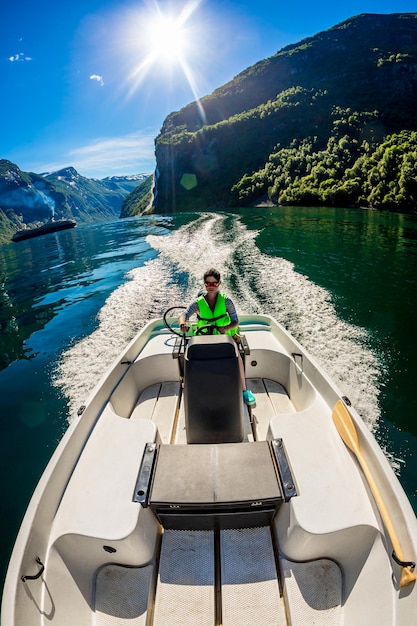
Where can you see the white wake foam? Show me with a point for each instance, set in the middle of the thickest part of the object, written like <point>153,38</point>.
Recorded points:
<point>257,283</point>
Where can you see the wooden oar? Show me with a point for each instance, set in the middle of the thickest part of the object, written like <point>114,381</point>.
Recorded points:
<point>347,431</point>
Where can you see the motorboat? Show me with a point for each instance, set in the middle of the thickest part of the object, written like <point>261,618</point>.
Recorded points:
<point>51,226</point>
<point>168,501</point>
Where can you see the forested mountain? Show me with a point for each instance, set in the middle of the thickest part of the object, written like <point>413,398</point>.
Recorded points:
<point>330,120</point>
<point>28,198</point>
<point>139,200</point>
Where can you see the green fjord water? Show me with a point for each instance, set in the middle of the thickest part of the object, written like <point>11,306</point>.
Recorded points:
<point>343,282</point>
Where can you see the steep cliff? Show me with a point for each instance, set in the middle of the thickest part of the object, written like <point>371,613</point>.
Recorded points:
<point>367,65</point>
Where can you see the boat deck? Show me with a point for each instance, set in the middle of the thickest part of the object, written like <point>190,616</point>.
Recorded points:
<point>227,577</point>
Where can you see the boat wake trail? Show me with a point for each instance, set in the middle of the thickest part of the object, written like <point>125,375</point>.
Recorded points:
<point>257,282</point>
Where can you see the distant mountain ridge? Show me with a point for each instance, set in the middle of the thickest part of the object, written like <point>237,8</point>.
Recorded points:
<point>128,183</point>
<point>27,198</point>
<point>359,76</point>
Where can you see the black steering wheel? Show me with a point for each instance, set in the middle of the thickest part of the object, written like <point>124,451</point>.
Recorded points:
<point>175,331</point>
<point>208,329</point>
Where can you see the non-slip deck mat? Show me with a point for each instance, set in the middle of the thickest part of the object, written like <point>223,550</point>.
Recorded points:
<point>121,597</point>
<point>250,591</point>
<point>313,592</point>
<point>185,589</point>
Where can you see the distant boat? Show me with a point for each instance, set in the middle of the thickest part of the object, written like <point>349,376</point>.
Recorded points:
<point>49,227</point>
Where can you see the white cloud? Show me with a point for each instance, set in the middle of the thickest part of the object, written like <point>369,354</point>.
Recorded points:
<point>20,56</point>
<point>107,156</point>
<point>98,78</point>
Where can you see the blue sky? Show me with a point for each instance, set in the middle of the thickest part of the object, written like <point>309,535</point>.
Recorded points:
<point>89,83</point>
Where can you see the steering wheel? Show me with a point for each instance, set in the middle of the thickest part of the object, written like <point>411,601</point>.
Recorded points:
<point>175,331</point>
<point>208,329</point>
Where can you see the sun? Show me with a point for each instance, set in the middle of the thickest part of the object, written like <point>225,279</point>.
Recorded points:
<point>166,39</point>
<point>164,36</point>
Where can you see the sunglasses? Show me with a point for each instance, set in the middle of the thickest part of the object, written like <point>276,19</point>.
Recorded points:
<point>209,284</point>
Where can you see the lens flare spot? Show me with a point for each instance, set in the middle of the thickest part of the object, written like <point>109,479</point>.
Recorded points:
<point>188,181</point>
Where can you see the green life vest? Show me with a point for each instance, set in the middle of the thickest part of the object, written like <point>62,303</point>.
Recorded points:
<point>218,317</point>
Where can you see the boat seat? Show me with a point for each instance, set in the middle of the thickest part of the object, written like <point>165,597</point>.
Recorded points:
<point>96,514</point>
<point>326,481</point>
<point>194,487</point>
<point>159,403</point>
<point>213,391</point>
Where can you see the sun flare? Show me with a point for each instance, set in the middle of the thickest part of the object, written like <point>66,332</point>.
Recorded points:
<point>164,43</point>
<point>166,39</point>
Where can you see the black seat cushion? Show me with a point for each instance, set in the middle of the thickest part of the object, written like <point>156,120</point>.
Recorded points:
<point>213,391</point>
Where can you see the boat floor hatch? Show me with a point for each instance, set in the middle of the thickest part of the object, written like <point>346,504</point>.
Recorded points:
<point>194,487</point>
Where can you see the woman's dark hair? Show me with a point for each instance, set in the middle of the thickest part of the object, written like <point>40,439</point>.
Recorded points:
<point>212,272</point>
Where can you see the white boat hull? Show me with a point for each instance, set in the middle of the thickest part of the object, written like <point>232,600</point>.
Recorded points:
<point>104,559</point>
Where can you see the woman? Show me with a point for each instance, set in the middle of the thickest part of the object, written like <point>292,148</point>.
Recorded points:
<point>216,308</point>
